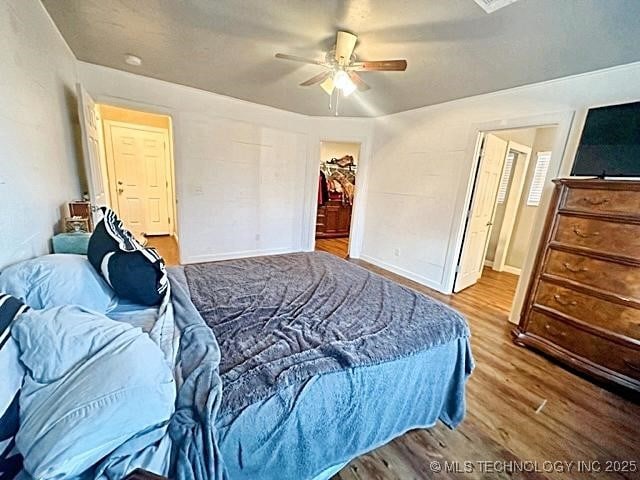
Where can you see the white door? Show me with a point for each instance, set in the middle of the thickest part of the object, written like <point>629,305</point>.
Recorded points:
<point>94,162</point>
<point>474,247</point>
<point>139,158</point>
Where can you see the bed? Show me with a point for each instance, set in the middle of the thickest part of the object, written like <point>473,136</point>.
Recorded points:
<point>290,366</point>
<point>320,362</point>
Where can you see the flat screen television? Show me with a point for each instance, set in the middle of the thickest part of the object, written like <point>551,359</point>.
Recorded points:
<point>610,143</point>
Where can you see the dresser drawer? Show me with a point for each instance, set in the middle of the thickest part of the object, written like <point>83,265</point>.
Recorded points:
<point>611,355</point>
<point>611,316</point>
<point>622,202</point>
<point>609,237</point>
<point>610,277</point>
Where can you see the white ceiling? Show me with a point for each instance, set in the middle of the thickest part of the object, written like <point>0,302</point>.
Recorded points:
<point>454,49</point>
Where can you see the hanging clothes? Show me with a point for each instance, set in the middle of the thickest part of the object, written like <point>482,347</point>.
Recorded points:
<point>323,190</point>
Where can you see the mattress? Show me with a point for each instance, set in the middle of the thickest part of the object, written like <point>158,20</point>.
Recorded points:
<point>293,364</point>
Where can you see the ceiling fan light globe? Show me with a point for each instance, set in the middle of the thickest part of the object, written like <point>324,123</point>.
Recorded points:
<point>341,79</point>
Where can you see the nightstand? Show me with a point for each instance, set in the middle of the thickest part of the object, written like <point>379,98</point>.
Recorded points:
<point>76,242</point>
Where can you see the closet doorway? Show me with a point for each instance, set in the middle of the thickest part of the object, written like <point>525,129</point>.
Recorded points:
<point>336,191</point>
<point>138,150</point>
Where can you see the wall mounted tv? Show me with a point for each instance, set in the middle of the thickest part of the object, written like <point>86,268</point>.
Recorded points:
<point>610,143</point>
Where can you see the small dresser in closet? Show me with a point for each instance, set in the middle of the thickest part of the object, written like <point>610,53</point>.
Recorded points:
<point>583,302</point>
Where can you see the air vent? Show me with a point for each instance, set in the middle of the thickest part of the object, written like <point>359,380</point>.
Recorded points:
<point>491,6</point>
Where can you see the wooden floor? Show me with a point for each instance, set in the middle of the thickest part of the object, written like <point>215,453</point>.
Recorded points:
<point>337,246</point>
<point>580,421</point>
<point>167,248</point>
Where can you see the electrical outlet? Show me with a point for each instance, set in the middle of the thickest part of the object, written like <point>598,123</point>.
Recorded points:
<point>396,252</point>
<point>257,237</point>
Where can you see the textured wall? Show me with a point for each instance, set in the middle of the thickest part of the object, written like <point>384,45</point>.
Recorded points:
<point>39,150</point>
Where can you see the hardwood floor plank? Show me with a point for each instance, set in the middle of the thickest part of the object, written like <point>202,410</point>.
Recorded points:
<point>167,248</point>
<point>336,246</point>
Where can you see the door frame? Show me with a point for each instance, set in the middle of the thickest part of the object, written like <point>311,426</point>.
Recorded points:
<point>169,170</point>
<point>357,209</point>
<point>512,203</point>
<point>563,120</point>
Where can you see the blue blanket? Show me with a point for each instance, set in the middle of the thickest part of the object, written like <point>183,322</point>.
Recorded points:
<point>321,361</point>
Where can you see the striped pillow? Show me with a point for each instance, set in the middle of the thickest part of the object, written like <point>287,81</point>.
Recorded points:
<point>12,377</point>
<point>133,271</point>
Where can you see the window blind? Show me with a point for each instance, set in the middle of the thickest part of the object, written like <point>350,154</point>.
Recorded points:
<point>539,177</point>
<point>506,175</point>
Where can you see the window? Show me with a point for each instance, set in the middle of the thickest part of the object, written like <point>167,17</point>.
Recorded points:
<point>539,176</point>
<point>506,175</point>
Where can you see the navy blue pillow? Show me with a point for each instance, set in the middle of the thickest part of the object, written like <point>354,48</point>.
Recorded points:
<point>12,378</point>
<point>133,271</point>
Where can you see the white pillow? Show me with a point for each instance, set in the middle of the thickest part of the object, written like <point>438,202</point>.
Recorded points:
<point>57,280</point>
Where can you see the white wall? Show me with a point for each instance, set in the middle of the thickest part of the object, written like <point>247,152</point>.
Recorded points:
<point>39,153</point>
<point>246,174</point>
<point>524,136</point>
<point>420,174</point>
<point>526,216</point>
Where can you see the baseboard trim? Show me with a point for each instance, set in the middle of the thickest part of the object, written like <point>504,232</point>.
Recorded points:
<point>404,273</point>
<point>233,255</point>
<point>488,263</point>
<point>510,269</point>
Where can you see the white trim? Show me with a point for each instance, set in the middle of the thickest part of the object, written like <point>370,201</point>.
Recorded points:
<point>405,273</point>
<point>563,119</point>
<point>512,202</point>
<point>356,234</point>
<point>234,255</point>
<point>510,269</point>
<point>488,263</point>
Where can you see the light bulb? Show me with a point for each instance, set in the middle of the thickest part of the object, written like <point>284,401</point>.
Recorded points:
<point>341,79</point>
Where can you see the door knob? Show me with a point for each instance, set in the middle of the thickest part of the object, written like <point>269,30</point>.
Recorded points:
<point>120,191</point>
<point>489,224</point>
<point>119,182</point>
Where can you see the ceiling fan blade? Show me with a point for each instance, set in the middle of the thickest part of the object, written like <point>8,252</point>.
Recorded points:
<point>345,43</point>
<point>321,77</point>
<point>328,86</point>
<point>357,79</point>
<point>380,66</point>
<point>295,58</point>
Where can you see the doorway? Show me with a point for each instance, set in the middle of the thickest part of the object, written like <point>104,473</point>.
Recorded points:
<point>512,169</point>
<point>138,149</point>
<point>336,191</point>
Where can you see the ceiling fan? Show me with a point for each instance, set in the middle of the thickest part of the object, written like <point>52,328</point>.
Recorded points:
<point>341,66</point>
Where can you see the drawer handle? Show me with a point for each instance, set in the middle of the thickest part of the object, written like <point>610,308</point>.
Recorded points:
<point>568,266</point>
<point>595,203</point>
<point>548,327</point>
<point>631,365</point>
<point>581,234</point>
<point>558,299</point>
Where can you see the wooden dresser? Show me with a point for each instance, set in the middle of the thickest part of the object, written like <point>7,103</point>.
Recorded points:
<point>583,302</point>
<point>333,220</point>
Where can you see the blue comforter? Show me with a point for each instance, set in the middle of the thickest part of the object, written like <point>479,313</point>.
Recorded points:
<point>321,361</point>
